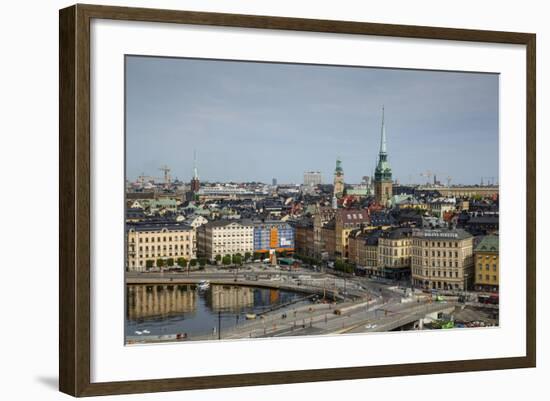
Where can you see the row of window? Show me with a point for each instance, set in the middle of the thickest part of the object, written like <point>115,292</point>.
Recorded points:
<point>487,277</point>
<point>164,254</point>
<point>417,252</point>
<point>162,239</point>
<point>435,263</point>
<point>232,235</point>
<point>480,267</point>
<point>436,273</point>
<point>396,252</point>
<point>439,244</point>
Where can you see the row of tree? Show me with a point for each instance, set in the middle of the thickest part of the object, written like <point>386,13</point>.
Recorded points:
<point>179,262</point>
<point>343,266</point>
<point>236,259</point>
<point>308,260</point>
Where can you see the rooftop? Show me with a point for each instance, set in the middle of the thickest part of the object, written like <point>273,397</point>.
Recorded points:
<point>489,243</point>
<point>158,226</point>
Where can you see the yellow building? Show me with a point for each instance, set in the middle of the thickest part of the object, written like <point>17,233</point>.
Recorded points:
<point>487,264</point>
<point>147,243</point>
<point>442,259</point>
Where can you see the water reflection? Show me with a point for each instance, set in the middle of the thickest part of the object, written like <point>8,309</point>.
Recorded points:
<point>170,309</point>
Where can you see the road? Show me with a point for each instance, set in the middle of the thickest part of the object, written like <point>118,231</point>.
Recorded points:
<point>365,305</point>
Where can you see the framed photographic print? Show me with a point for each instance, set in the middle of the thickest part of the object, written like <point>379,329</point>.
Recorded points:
<point>250,200</point>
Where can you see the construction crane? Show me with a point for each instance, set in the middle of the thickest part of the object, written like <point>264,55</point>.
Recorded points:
<point>428,174</point>
<point>166,170</point>
<point>490,181</point>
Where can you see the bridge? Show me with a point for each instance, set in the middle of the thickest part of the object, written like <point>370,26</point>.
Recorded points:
<point>401,318</point>
<point>327,291</point>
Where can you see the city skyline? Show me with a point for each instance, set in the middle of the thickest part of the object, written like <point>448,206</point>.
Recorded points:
<point>252,121</point>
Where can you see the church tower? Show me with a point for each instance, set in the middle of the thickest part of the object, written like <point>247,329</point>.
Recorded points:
<point>195,182</point>
<point>338,179</point>
<point>382,173</point>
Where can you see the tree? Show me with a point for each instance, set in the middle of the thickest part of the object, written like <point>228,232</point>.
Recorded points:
<point>160,262</point>
<point>193,262</point>
<point>218,258</point>
<point>257,255</point>
<point>237,259</point>
<point>170,262</point>
<point>202,262</point>
<point>149,263</point>
<point>226,260</point>
<point>182,262</point>
<point>339,265</point>
<point>247,256</point>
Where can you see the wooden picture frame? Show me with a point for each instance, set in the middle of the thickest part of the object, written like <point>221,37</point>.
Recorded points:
<point>74,199</point>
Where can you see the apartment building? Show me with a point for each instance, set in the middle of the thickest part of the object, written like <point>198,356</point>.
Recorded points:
<point>225,237</point>
<point>442,259</point>
<point>149,242</point>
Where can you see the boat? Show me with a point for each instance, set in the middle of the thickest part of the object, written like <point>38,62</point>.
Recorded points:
<point>203,285</point>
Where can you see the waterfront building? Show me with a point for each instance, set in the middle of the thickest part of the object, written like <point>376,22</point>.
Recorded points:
<point>303,240</point>
<point>312,178</point>
<point>486,256</point>
<point>195,221</point>
<point>338,179</point>
<point>273,236</point>
<point>321,217</point>
<point>328,241</point>
<point>149,242</point>
<point>442,259</point>
<point>383,185</point>
<point>225,237</point>
<point>394,252</point>
<point>363,250</point>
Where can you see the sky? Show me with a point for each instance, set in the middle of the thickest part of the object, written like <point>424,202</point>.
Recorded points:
<point>250,121</point>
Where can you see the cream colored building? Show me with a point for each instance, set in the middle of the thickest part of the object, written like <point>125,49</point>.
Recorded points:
<point>225,237</point>
<point>149,242</point>
<point>394,252</point>
<point>442,259</point>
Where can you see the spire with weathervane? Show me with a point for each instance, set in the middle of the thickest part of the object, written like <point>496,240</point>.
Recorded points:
<point>195,182</point>
<point>382,174</point>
